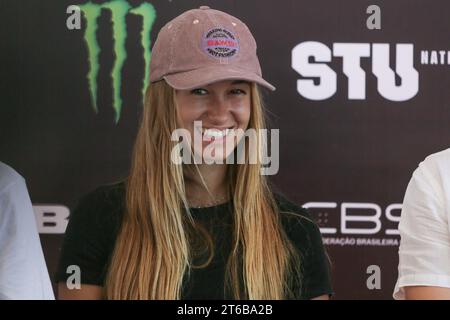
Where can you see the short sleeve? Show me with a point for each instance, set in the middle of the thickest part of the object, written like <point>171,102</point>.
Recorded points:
<point>90,238</point>
<point>424,253</point>
<point>316,269</point>
<point>314,261</point>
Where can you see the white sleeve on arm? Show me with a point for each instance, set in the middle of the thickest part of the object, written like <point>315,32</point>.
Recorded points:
<point>23,271</point>
<point>424,253</point>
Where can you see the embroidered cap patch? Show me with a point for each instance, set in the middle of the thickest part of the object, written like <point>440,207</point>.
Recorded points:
<point>220,43</point>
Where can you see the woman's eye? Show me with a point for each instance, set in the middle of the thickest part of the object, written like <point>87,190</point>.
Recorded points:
<point>199,91</point>
<point>238,91</point>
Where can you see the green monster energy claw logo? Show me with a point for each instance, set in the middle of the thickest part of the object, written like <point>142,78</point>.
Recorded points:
<point>119,9</point>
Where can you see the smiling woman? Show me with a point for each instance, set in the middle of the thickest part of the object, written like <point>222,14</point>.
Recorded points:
<point>196,231</point>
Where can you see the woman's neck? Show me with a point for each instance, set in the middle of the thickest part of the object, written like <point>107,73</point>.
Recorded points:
<point>214,175</point>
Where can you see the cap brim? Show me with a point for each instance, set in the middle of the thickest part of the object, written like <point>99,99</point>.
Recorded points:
<point>203,76</point>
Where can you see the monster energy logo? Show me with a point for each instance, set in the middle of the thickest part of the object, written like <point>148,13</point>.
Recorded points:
<point>119,9</point>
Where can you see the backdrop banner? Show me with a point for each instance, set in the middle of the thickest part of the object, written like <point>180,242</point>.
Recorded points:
<point>362,98</point>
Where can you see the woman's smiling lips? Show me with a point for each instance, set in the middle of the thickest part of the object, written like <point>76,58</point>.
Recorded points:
<point>213,134</point>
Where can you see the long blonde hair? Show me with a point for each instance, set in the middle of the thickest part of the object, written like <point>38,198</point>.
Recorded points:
<point>153,255</point>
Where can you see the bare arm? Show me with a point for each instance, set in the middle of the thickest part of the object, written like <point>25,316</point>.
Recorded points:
<point>322,297</point>
<point>86,292</point>
<point>427,293</point>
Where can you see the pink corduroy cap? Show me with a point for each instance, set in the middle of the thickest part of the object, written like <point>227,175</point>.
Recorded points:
<point>203,46</point>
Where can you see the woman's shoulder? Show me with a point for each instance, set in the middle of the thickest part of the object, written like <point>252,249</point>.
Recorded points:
<point>103,205</point>
<point>297,222</point>
<point>106,195</point>
<point>290,210</point>
<point>109,192</point>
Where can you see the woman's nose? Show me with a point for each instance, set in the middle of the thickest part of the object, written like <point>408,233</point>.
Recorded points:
<point>218,110</point>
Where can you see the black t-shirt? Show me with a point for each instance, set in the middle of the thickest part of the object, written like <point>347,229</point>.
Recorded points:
<point>94,224</point>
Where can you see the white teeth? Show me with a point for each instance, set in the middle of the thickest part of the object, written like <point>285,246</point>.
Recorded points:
<point>216,133</point>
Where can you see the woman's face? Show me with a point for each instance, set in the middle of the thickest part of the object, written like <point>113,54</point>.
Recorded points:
<point>222,108</point>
